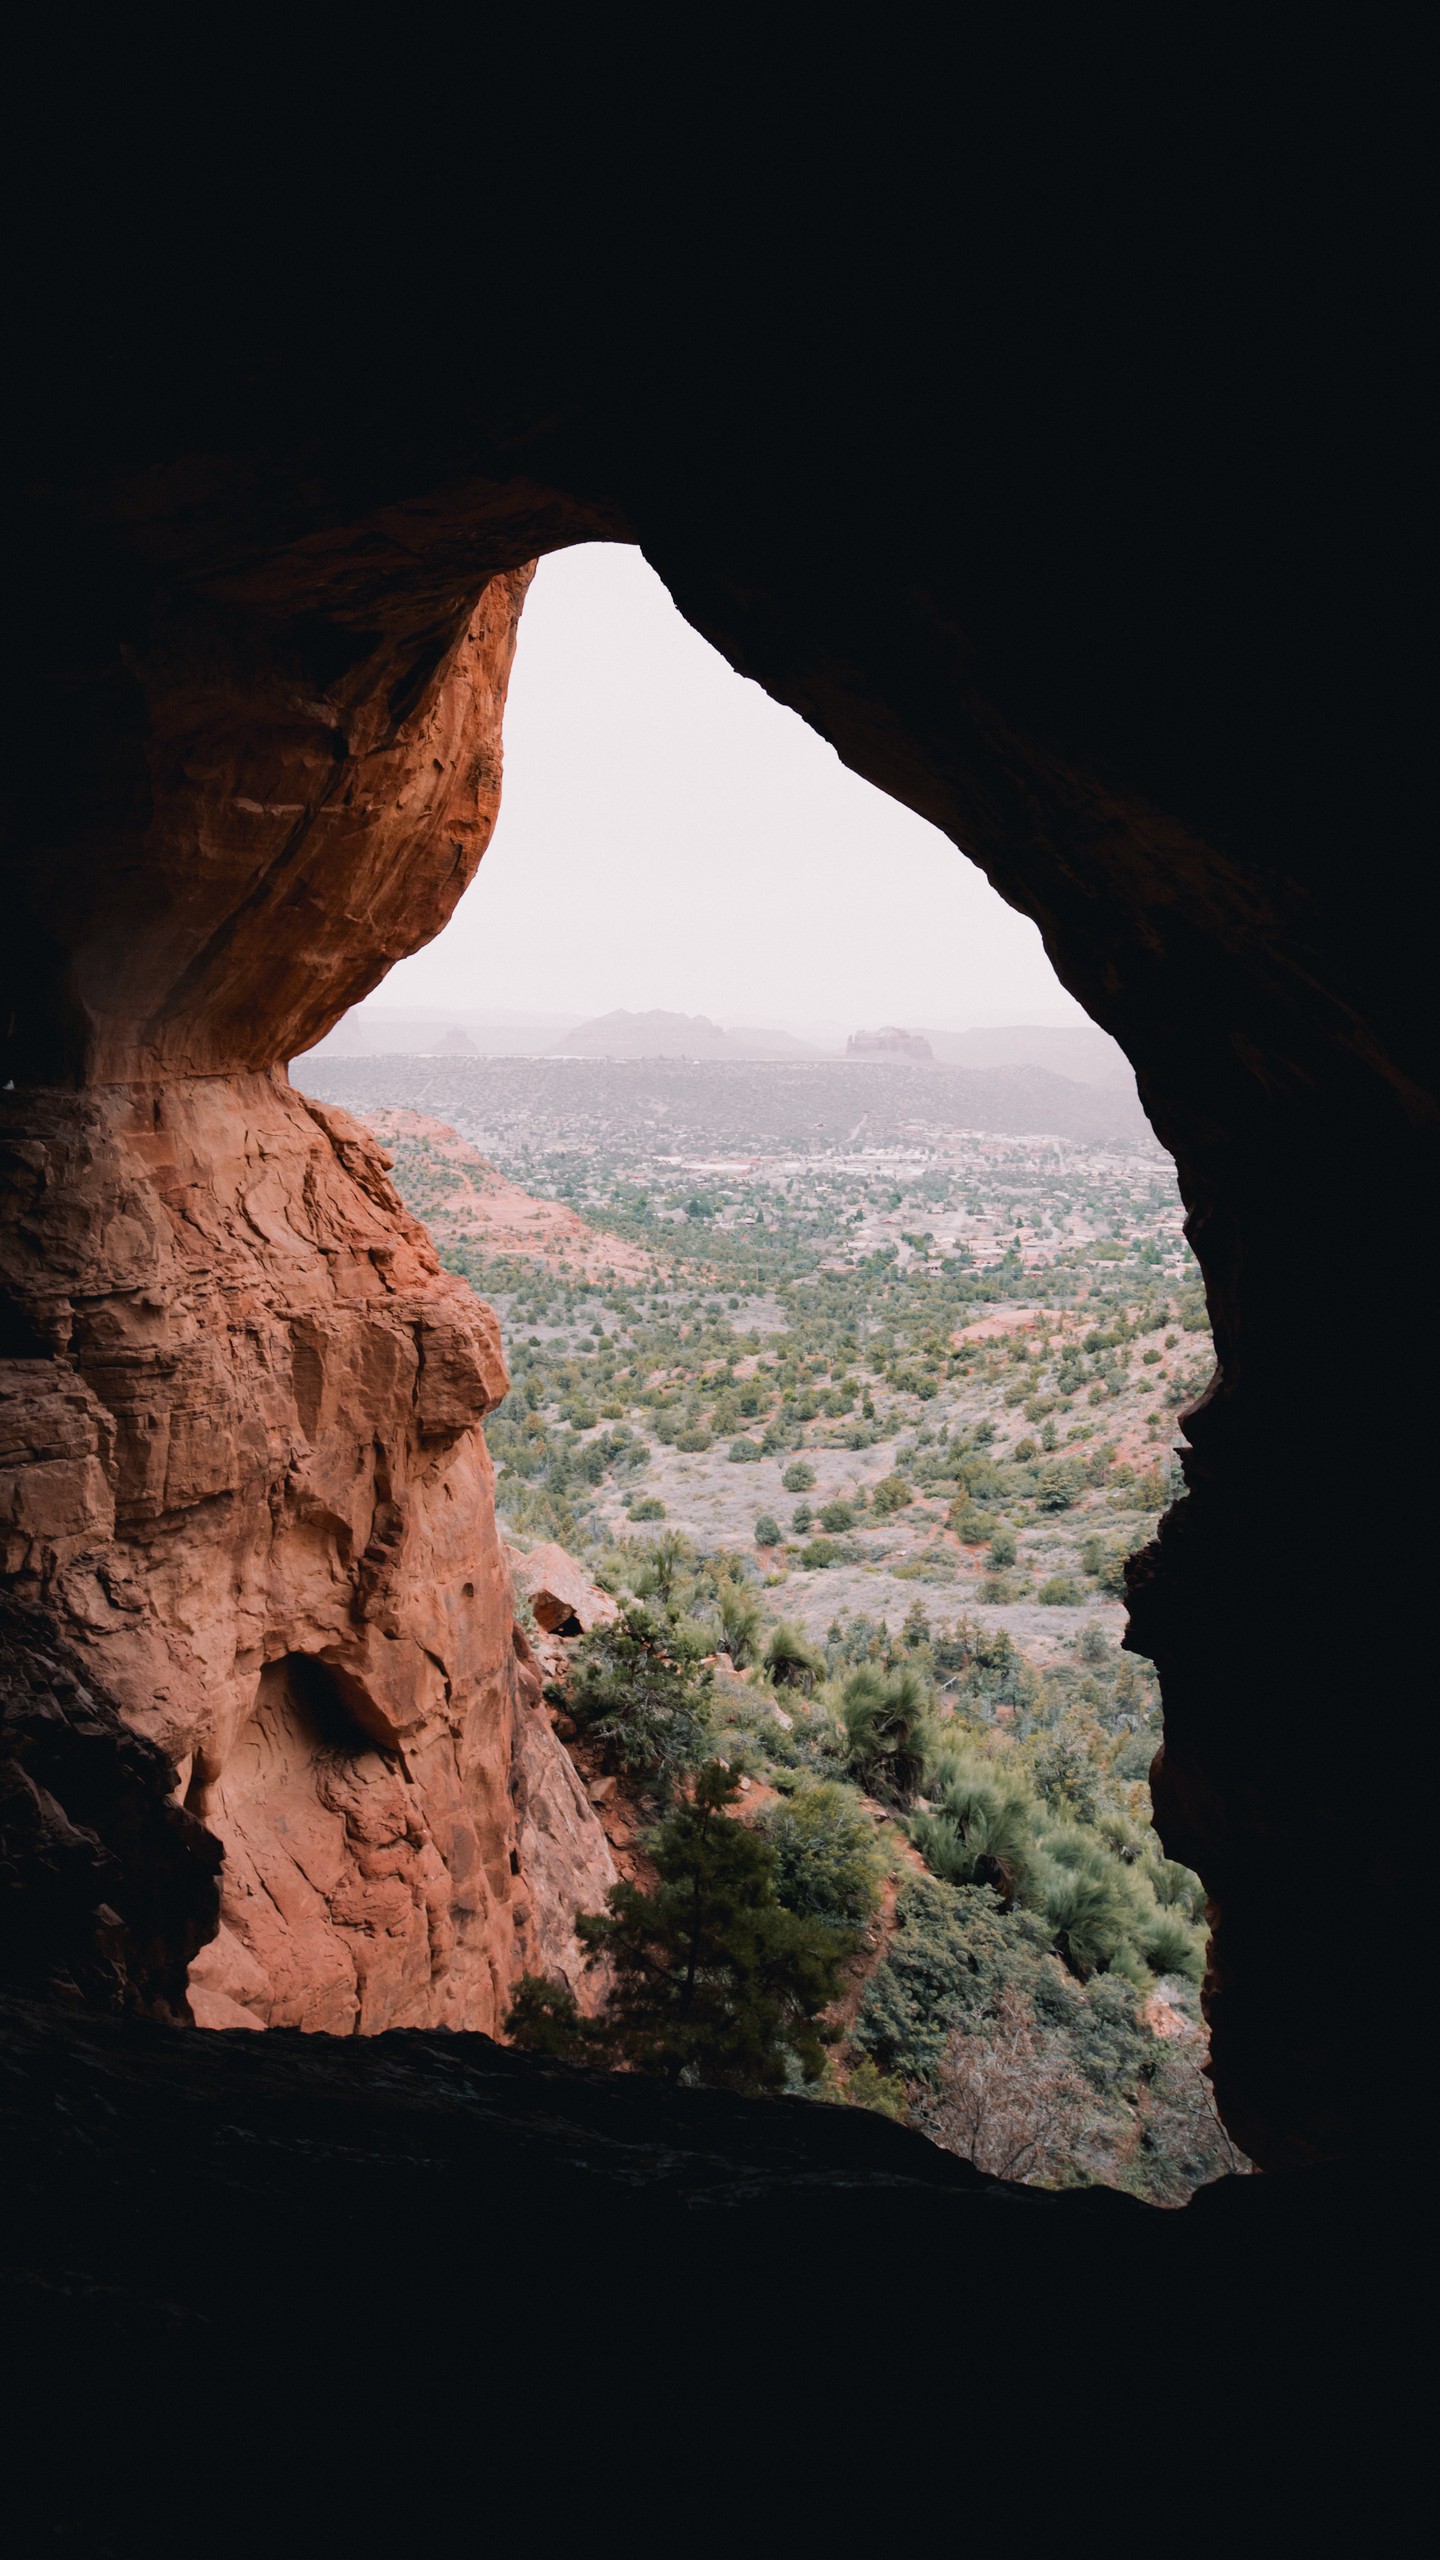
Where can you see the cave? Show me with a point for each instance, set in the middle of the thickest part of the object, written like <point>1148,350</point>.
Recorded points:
<point>1076,533</point>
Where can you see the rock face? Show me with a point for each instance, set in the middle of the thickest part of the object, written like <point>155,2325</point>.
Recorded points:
<point>107,1886</point>
<point>248,1481</point>
<point>565,1859</point>
<point>241,1469</point>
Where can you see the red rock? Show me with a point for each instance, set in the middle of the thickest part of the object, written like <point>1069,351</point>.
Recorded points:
<point>561,1594</point>
<point>251,1489</point>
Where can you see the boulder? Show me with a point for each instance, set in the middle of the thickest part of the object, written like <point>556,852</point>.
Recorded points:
<point>564,1600</point>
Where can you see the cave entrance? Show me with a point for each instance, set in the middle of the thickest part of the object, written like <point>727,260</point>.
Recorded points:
<point>849,1316</point>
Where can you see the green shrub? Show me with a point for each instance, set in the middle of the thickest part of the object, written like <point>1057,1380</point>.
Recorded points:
<point>1169,1947</point>
<point>1060,1485</point>
<point>650,1507</point>
<point>877,2090</point>
<point>544,2017</point>
<point>971,1525</point>
<point>693,1440</point>
<point>887,1720</point>
<point>1175,1888</point>
<point>792,1660</point>
<point>767,1529</point>
<point>741,1623</point>
<point>1061,1591</point>
<point>1066,1777</point>
<point>981,1832</point>
<point>799,1477</point>
<point>640,1688</point>
<point>891,1494</point>
<point>826,1861</point>
<point>1002,1548</point>
<point>1107,1564</point>
<point>1089,1916</point>
<point>820,1554</point>
<point>666,1563</point>
<point>951,1955</point>
<point>801,1519</point>
<point>837,1517</point>
<point>745,1452</point>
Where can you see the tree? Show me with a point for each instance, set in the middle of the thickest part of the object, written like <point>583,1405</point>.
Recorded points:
<point>714,1979</point>
<point>767,1530</point>
<point>641,1689</point>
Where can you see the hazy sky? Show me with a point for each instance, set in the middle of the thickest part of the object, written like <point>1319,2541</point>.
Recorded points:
<point>669,836</point>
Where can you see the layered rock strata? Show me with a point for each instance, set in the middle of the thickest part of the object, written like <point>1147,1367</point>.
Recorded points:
<point>242,1474</point>
<point>249,1482</point>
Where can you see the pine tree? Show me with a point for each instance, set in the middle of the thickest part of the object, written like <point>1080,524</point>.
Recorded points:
<point>714,1979</point>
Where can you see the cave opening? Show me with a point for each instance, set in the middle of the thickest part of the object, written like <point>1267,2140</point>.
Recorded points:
<point>1041,441</point>
<point>974,1172</point>
<point>184,1465</point>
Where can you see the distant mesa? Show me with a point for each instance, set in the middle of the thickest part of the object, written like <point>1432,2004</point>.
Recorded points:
<point>889,1042</point>
<point>646,1035</point>
<point>455,1039</point>
<point>679,1035</point>
<point>1079,1050</point>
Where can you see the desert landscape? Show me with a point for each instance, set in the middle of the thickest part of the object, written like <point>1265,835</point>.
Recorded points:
<point>843,1387</point>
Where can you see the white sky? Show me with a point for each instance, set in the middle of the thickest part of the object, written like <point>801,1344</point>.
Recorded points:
<point>670,837</point>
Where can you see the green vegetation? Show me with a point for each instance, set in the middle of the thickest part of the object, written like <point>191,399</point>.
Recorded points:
<point>1004,2007</point>
<point>887,1723</point>
<point>716,1978</point>
<point>640,1690</point>
<point>799,1316</point>
<point>827,1864</point>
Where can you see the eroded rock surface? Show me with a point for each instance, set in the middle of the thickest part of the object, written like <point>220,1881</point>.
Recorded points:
<point>244,1477</point>
<point>250,1486</point>
<point>107,1886</point>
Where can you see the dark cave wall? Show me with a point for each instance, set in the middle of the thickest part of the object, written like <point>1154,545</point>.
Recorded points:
<point>1038,547</point>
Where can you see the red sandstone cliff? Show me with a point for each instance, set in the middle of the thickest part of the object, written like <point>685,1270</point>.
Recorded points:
<point>241,1465</point>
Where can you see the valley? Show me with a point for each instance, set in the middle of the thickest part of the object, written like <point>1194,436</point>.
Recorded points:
<point>800,1351</point>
